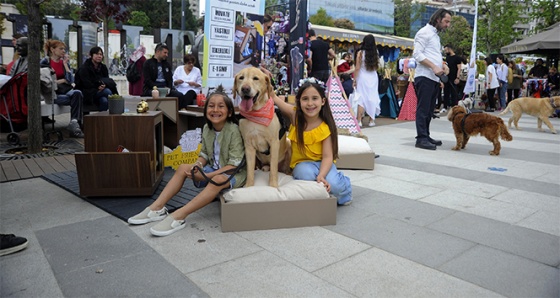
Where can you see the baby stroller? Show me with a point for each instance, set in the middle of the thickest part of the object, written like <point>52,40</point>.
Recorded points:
<point>13,108</point>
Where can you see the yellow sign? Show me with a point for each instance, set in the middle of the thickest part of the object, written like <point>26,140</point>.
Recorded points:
<point>177,157</point>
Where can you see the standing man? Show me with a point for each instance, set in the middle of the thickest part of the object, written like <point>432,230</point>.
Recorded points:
<point>319,56</point>
<point>427,52</point>
<point>450,89</point>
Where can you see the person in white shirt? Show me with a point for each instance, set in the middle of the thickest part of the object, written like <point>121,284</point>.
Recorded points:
<point>491,84</point>
<point>188,81</point>
<point>427,52</point>
<point>502,73</point>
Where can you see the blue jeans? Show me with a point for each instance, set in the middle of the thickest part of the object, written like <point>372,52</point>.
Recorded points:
<point>340,184</point>
<point>209,169</point>
<point>502,94</point>
<point>74,99</point>
<point>102,98</point>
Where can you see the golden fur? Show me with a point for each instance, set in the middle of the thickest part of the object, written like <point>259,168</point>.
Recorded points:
<point>489,126</point>
<point>537,107</point>
<point>261,141</point>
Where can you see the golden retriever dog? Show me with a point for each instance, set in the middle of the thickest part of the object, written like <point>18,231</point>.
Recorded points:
<point>469,125</point>
<point>537,107</point>
<point>260,126</point>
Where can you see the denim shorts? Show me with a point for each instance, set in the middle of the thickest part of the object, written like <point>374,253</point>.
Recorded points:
<point>209,169</point>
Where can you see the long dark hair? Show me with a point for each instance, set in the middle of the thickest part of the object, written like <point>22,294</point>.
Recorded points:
<point>229,104</point>
<point>325,114</point>
<point>369,47</point>
<point>439,15</point>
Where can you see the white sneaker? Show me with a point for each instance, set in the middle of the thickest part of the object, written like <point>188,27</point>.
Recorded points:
<point>371,124</point>
<point>443,111</point>
<point>147,216</point>
<point>360,124</point>
<point>167,227</point>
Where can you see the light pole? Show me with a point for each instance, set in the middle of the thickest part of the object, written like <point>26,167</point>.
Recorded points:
<point>169,1</point>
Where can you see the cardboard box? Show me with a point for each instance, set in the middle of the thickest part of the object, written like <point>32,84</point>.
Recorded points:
<point>277,215</point>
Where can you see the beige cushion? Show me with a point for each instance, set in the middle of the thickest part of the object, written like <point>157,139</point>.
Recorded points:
<point>289,189</point>
<point>354,153</point>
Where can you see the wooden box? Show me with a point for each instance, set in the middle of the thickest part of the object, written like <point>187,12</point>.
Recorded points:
<point>102,171</point>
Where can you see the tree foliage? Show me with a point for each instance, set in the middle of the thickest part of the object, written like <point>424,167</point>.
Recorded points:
<point>60,8</point>
<point>344,23</point>
<point>459,35</point>
<point>158,14</point>
<point>321,18</point>
<point>104,11</point>
<point>406,13</point>
<point>495,24</point>
<point>140,18</point>
<point>546,10</point>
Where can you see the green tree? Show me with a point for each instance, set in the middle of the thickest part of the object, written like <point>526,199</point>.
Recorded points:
<point>495,24</point>
<point>406,13</point>
<point>59,8</point>
<point>139,18</point>
<point>459,35</point>
<point>158,13</point>
<point>321,18</point>
<point>344,23</point>
<point>546,10</point>
<point>104,11</point>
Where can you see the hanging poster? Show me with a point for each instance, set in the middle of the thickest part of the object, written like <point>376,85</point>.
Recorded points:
<point>233,39</point>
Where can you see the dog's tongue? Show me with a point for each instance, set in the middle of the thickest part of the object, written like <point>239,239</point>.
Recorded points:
<point>246,105</point>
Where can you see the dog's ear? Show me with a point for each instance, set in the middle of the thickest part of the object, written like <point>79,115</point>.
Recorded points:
<point>234,87</point>
<point>269,88</point>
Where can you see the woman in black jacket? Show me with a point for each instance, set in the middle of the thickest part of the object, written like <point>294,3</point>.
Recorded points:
<point>92,79</point>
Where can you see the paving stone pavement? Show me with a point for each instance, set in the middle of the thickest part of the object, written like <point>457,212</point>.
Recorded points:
<point>423,224</point>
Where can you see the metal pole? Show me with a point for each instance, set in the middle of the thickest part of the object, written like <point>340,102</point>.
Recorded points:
<point>183,15</point>
<point>169,14</point>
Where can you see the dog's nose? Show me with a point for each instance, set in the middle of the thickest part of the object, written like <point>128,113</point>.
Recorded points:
<point>245,89</point>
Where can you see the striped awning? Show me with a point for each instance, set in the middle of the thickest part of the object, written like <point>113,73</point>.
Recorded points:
<point>339,34</point>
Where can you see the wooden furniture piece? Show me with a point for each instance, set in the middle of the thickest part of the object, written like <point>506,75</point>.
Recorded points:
<point>102,171</point>
<point>173,125</point>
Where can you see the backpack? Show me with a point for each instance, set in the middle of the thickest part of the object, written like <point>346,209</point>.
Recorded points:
<point>132,74</point>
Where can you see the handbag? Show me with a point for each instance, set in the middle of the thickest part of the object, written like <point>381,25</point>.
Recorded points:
<point>110,84</point>
<point>63,88</point>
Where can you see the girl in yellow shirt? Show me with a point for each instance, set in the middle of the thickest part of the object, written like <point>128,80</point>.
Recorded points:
<point>314,140</point>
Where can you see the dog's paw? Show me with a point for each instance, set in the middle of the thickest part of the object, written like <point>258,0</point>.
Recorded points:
<point>266,168</point>
<point>494,153</point>
<point>456,148</point>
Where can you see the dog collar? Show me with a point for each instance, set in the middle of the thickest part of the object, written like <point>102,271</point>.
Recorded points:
<point>552,103</point>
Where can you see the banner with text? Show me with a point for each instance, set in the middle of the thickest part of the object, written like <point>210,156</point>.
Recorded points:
<point>298,31</point>
<point>471,75</point>
<point>233,39</point>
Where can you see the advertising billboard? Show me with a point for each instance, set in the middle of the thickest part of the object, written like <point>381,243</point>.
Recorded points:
<point>367,15</point>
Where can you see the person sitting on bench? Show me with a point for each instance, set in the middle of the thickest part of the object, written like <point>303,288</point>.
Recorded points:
<point>66,95</point>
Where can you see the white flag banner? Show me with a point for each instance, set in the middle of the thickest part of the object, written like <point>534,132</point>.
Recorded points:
<point>471,75</point>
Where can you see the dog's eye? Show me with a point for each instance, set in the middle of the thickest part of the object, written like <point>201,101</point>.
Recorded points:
<point>255,78</point>
<point>241,77</point>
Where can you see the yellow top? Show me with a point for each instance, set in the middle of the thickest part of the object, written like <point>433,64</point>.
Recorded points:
<point>313,141</point>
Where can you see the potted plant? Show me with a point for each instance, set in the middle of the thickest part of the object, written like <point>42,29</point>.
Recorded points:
<point>116,104</point>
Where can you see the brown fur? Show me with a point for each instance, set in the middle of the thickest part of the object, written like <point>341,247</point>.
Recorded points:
<point>248,83</point>
<point>489,126</point>
<point>537,107</point>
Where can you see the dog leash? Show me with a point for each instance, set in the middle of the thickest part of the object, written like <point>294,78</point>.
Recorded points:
<point>230,172</point>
